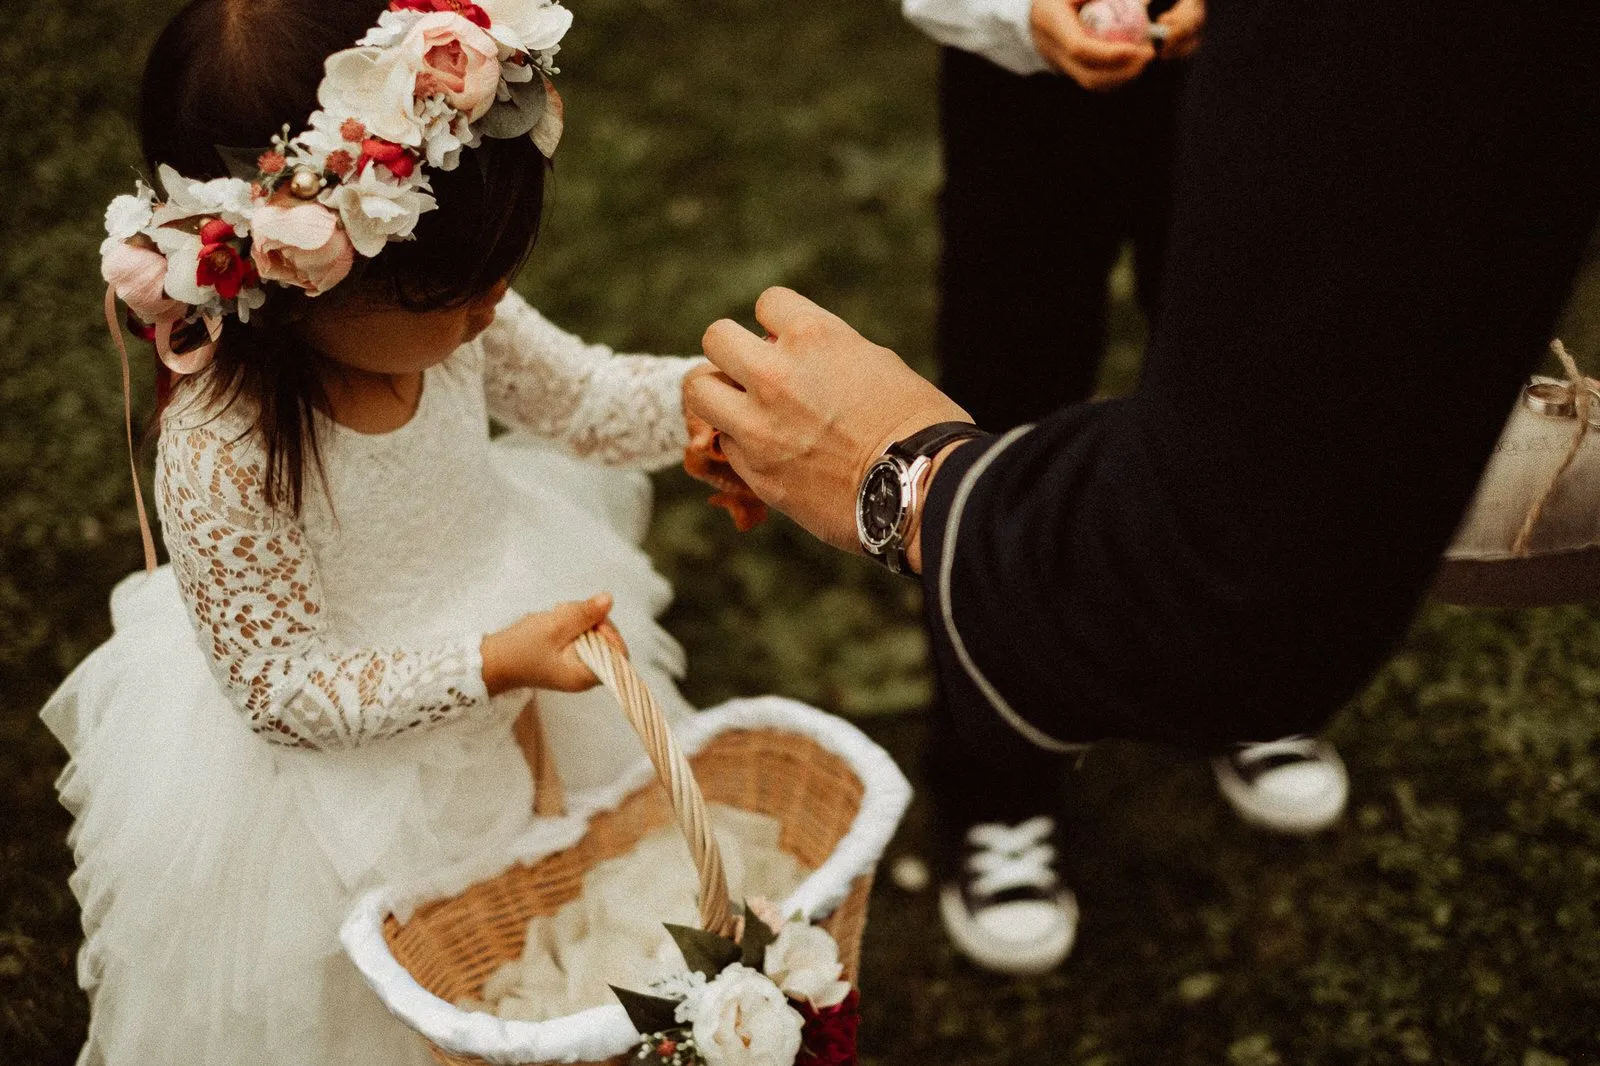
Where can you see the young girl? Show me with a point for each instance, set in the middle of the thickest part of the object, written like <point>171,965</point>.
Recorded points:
<point>318,694</point>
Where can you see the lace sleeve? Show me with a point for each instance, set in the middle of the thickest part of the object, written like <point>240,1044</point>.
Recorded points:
<point>623,410</point>
<point>252,589</point>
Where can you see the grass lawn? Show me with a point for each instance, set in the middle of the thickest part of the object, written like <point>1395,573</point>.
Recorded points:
<point>715,149</point>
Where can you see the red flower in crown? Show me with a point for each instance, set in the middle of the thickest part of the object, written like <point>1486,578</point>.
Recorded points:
<point>220,264</point>
<point>469,11</point>
<point>399,161</point>
<point>829,1036</point>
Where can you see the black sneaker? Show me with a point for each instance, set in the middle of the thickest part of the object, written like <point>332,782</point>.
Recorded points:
<point>1007,910</point>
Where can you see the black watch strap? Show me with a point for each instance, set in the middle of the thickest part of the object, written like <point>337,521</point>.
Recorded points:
<point>937,436</point>
<point>921,445</point>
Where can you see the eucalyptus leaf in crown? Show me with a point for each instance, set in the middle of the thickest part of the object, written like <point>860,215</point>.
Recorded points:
<point>774,997</point>
<point>430,80</point>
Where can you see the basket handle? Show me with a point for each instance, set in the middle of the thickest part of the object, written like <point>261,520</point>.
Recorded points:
<point>617,674</point>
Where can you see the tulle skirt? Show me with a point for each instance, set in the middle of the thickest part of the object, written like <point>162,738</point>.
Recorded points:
<point>214,868</point>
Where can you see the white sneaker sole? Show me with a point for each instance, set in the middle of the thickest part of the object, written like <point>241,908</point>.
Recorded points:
<point>1300,815</point>
<point>1019,958</point>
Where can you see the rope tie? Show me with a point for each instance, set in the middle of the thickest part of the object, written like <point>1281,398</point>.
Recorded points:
<point>1582,391</point>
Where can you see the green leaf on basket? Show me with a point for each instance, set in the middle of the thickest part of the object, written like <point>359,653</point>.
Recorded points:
<point>647,1014</point>
<point>705,953</point>
<point>757,936</point>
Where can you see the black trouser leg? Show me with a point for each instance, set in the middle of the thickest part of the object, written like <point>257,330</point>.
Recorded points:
<point>1044,181</point>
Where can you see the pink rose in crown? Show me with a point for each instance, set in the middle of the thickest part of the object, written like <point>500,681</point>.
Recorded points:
<point>301,244</point>
<point>1126,21</point>
<point>138,275</point>
<point>457,59</point>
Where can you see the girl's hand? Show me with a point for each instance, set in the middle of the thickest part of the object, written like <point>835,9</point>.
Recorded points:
<point>705,460</point>
<point>537,650</point>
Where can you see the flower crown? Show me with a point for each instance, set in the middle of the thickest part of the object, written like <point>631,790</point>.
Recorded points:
<point>432,78</point>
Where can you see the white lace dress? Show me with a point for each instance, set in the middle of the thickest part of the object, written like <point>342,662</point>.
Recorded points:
<point>293,710</point>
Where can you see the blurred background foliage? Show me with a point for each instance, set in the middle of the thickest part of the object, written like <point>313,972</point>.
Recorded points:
<point>715,149</point>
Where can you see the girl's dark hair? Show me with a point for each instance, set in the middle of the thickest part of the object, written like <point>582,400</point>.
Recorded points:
<point>229,74</point>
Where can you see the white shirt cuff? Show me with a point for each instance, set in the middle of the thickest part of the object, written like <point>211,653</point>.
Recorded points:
<point>998,30</point>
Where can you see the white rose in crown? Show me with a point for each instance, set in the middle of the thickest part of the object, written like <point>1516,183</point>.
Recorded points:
<point>128,215</point>
<point>527,25</point>
<point>376,209</point>
<point>228,199</point>
<point>804,962</point>
<point>742,1019</point>
<point>436,55</point>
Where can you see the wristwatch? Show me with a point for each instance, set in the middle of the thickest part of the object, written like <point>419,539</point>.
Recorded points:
<point>890,496</point>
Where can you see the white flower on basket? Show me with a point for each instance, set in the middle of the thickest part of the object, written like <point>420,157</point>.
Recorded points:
<point>377,208</point>
<point>743,1019</point>
<point>804,962</point>
<point>679,985</point>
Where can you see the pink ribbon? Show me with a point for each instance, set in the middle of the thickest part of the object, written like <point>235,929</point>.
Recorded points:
<point>179,363</point>
<point>185,363</point>
<point>127,421</point>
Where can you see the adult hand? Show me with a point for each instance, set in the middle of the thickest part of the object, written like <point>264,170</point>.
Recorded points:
<point>804,412</point>
<point>1068,46</point>
<point>1183,20</point>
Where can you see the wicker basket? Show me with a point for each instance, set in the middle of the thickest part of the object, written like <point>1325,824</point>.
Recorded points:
<point>837,798</point>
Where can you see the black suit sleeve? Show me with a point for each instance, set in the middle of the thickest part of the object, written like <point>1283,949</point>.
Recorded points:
<point>1380,209</point>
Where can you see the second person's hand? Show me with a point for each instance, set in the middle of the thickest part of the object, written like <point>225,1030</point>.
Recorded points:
<point>1068,46</point>
<point>806,410</point>
<point>1184,21</point>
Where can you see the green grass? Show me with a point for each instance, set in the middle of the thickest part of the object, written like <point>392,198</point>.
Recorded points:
<point>715,149</point>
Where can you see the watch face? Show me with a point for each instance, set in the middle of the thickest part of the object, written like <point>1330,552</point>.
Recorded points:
<point>880,505</point>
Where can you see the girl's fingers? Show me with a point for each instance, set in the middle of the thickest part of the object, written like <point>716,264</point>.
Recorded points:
<point>613,636</point>
<point>746,510</point>
<point>719,474</point>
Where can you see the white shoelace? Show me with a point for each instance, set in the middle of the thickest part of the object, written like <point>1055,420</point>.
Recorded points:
<point>1010,857</point>
<point>1295,747</point>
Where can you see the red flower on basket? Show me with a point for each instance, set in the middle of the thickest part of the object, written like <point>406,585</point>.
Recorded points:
<point>829,1036</point>
<point>773,998</point>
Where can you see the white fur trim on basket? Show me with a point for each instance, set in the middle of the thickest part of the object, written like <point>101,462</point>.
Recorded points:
<point>603,1032</point>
